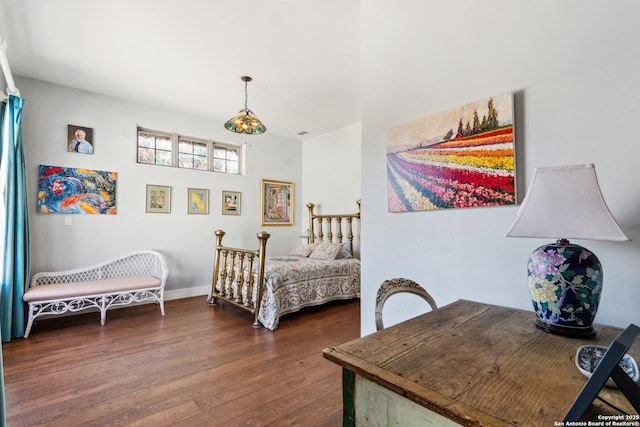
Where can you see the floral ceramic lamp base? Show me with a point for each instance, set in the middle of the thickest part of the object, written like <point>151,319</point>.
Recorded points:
<point>565,281</point>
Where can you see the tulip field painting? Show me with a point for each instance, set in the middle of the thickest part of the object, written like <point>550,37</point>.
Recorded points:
<point>76,191</point>
<point>456,159</point>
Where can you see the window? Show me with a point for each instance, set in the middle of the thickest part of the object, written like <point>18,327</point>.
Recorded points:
<point>226,159</point>
<point>160,148</point>
<point>192,154</point>
<point>154,148</point>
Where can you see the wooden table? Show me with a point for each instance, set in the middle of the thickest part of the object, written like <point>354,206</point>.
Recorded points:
<point>468,363</point>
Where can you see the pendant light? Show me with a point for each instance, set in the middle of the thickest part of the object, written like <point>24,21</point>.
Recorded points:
<point>245,121</point>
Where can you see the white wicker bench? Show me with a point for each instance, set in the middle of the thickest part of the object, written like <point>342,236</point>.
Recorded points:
<point>131,278</point>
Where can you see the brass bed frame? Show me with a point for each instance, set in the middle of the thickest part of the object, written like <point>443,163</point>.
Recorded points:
<point>242,295</point>
<point>226,260</point>
<point>329,220</point>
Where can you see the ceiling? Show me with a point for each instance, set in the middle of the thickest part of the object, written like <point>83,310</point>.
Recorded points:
<point>189,55</point>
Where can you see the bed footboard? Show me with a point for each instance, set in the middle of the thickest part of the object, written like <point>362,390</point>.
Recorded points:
<point>238,275</point>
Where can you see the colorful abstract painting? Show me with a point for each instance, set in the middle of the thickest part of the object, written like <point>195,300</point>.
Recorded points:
<point>76,191</point>
<point>456,159</point>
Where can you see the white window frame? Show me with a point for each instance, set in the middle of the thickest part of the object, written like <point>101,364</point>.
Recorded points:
<point>157,133</point>
<point>209,151</point>
<point>175,150</point>
<point>237,148</point>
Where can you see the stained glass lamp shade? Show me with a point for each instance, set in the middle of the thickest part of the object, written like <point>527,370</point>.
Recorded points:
<point>245,121</point>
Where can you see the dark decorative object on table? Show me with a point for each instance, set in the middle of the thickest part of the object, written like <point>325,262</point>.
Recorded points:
<point>589,356</point>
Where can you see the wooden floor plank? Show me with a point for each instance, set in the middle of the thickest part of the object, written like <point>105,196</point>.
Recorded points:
<point>196,366</point>
<point>169,416</point>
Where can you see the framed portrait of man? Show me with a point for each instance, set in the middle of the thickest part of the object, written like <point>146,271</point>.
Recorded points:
<point>80,139</point>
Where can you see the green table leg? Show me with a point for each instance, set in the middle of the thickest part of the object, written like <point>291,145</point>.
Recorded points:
<point>348,409</point>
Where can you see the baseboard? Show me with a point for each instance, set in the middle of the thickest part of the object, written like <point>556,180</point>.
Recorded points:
<point>186,292</point>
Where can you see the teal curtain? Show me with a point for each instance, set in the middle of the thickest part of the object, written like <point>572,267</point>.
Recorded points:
<point>15,255</point>
<point>16,252</point>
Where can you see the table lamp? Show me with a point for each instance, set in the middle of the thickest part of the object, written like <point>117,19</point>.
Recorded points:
<point>565,279</point>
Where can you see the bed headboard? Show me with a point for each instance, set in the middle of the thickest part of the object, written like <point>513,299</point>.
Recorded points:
<point>324,226</point>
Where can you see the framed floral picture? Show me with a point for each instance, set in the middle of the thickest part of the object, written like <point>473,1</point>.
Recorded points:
<point>276,203</point>
<point>460,158</point>
<point>158,199</point>
<point>197,201</point>
<point>230,203</point>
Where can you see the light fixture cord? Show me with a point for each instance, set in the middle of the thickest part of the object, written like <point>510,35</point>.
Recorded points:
<point>246,96</point>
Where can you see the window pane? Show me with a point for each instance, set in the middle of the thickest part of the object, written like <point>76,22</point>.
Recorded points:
<point>219,165</point>
<point>185,147</point>
<point>163,142</point>
<point>146,155</point>
<point>233,154</point>
<point>200,162</point>
<point>163,158</point>
<point>146,140</point>
<point>200,149</point>
<point>219,152</point>
<point>232,167</point>
<point>185,160</point>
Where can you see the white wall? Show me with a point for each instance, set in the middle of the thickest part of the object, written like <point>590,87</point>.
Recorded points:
<point>187,241</point>
<point>331,170</point>
<point>573,66</point>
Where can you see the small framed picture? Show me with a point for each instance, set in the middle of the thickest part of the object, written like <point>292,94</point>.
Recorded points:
<point>197,201</point>
<point>276,202</point>
<point>79,139</point>
<point>230,203</point>
<point>158,199</point>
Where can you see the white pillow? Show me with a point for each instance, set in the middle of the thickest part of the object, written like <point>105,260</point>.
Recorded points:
<point>326,250</point>
<point>303,250</point>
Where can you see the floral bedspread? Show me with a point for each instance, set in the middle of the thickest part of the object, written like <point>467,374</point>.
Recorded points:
<point>293,282</point>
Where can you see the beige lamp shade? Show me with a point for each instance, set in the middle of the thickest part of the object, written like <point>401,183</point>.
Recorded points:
<point>565,202</point>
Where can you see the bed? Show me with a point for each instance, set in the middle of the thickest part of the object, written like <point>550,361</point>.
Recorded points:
<point>323,269</point>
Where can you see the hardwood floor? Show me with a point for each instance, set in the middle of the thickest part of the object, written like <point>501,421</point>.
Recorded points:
<point>196,366</point>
